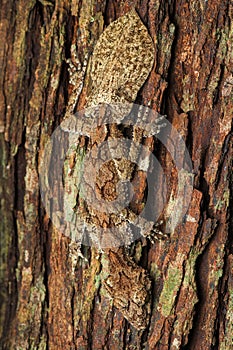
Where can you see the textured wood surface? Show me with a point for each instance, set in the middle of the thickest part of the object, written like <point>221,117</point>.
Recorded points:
<point>48,299</point>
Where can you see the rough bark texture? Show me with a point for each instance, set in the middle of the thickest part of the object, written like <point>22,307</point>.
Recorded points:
<point>47,300</point>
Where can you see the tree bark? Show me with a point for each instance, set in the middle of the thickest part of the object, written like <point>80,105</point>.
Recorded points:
<point>51,300</point>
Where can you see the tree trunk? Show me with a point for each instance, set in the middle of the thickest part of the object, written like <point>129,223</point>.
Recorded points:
<point>50,299</point>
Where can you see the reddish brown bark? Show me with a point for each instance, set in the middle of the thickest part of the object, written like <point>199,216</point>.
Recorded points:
<point>44,302</point>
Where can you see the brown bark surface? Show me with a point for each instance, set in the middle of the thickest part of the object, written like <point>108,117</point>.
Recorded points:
<point>50,301</point>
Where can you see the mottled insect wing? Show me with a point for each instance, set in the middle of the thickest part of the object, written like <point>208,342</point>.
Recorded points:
<point>121,62</point>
